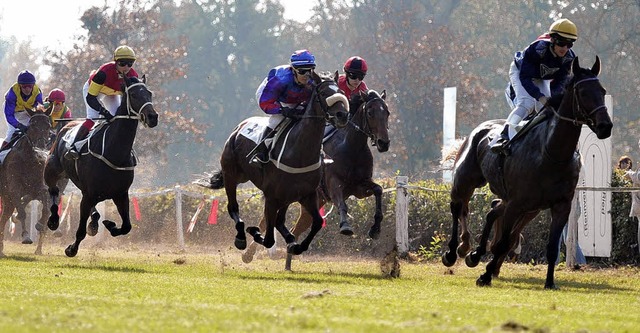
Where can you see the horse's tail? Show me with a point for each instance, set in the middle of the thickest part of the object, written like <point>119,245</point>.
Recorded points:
<point>214,181</point>
<point>451,154</point>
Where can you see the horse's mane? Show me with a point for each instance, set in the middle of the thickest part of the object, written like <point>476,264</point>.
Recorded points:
<point>555,100</point>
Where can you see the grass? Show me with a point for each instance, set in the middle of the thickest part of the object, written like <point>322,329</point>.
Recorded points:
<point>134,290</point>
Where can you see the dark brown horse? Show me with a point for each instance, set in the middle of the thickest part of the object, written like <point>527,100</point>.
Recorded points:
<point>541,172</point>
<point>351,171</point>
<point>21,177</point>
<point>293,176</point>
<point>105,171</point>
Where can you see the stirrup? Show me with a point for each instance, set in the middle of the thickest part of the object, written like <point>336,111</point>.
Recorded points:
<point>256,160</point>
<point>72,154</point>
<point>499,146</point>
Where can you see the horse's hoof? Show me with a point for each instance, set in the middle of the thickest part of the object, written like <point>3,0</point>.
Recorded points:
<point>345,229</point>
<point>448,259</point>
<point>551,286</point>
<point>247,256</point>
<point>54,222</point>
<point>294,249</point>
<point>38,252</point>
<point>27,240</point>
<point>92,228</point>
<point>39,227</point>
<point>70,251</point>
<point>470,261</point>
<point>480,282</point>
<point>374,233</point>
<point>240,244</point>
<point>253,230</point>
<point>111,226</point>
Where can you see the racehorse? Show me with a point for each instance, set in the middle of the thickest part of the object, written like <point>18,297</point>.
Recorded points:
<point>540,172</point>
<point>106,171</point>
<point>21,177</point>
<point>351,171</point>
<point>294,176</point>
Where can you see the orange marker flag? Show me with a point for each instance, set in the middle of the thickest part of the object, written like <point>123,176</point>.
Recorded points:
<point>60,205</point>
<point>136,208</point>
<point>213,213</point>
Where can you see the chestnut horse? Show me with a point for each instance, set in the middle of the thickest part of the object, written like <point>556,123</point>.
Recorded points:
<point>106,170</point>
<point>293,176</point>
<point>541,172</point>
<point>21,177</point>
<point>351,171</point>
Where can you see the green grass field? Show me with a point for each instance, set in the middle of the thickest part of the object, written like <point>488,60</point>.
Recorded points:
<point>134,290</point>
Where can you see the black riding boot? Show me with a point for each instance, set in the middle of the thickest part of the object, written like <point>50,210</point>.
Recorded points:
<point>500,145</point>
<point>261,152</point>
<point>72,153</point>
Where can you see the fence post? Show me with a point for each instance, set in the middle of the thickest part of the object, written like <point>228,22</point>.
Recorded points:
<point>179,226</point>
<point>402,214</point>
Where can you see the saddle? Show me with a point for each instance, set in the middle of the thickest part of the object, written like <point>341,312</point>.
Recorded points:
<point>83,148</point>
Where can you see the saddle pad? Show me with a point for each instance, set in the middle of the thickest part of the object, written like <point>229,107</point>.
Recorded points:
<point>3,154</point>
<point>252,128</point>
<point>71,134</point>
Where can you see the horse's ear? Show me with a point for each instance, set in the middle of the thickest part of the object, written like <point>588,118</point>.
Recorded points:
<point>144,78</point>
<point>336,76</point>
<point>575,66</point>
<point>595,69</point>
<point>383,95</point>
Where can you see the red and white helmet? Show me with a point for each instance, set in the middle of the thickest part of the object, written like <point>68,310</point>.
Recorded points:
<point>355,64</point>
<point>56,95</point>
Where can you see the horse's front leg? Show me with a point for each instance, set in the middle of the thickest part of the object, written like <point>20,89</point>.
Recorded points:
<point>309,203</point>
<point>22,217</point>
<point>247,256</point>
<point>302,225</point>
<point>366,190</point>
<point>122,203</point>
<point>81,233</point>
<point>40,225</point>
<point>559,216</point>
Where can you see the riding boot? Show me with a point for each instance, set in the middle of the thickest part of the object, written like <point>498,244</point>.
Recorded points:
<point>261,152</point>
<point>502,142</point>
<point>72,153</point>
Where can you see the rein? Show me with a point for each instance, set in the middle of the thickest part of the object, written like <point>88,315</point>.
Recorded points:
<point>365,128</point>
<point>576,107</point>
<point>131,113</point>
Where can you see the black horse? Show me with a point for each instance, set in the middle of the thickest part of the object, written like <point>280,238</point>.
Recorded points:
<point>293,176</point>
<point>541,172</point>
<point>21,180</point>
<point>106,170</point>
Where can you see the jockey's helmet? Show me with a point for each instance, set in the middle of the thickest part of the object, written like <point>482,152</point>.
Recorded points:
<point>25,77</point>
<point>56,95</point>
<point>355,65</point>
<point>565,29</point>
<point>303,59</point>
<point>124,52</point>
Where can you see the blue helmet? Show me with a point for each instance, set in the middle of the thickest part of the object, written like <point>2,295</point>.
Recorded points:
<point>303,58</point>
<point>25,77</point>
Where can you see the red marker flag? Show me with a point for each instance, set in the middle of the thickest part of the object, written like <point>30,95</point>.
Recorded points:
<point>60,205</point>
<point>136,208</point>
<point>213,213</point>
<point>324,220</point>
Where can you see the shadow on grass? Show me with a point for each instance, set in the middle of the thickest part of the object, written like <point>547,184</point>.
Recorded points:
<point>19,258</point>
<point>105,268</point>
<point>532,283</point>
<point>314,277</point>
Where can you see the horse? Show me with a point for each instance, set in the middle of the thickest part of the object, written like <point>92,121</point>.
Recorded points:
<point>21,177</point>
<point>351,171</point>
<point>540,172</point>
<point>293,176</point>
<point>106,170</point>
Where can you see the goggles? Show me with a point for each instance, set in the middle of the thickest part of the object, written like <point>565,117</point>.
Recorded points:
<point>123,63</point>
<point>356,76</point>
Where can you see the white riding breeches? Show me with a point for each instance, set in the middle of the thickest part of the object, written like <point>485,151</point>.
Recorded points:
<point>110,102</point>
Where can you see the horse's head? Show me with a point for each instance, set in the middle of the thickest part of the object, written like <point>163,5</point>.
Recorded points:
<point>138,101</point>
<point>334,104</point>
<point>588,99</point>
<point>375,118</point>
<point>39,128</point>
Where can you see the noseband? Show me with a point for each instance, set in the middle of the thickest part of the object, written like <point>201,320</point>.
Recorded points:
<point>576,107</point>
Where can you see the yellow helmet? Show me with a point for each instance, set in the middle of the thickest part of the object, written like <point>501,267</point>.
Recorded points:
<point>124,52</point>
<point>564,28</point>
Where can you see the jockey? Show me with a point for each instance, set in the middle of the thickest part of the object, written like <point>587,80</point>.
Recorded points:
<point>537,73</point>
<point>103,91</point>
<point>355,69</point>
<point>24,94</point>
<point>284,93</point>
<point>54,105</point>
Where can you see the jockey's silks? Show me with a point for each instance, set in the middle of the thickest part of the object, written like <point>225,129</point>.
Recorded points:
<point>21,104</point>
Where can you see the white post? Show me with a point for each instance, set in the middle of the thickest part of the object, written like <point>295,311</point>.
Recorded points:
<point>179,225</point>
<point>272,251</point>
<point>448,126</point>
<point>34,219</point>
<point>402,214</point>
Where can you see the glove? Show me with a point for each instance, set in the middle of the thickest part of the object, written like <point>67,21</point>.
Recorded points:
<point>106,114</point>
<point>289,112</point>
<point>23,128</point>
<point>543,100</point>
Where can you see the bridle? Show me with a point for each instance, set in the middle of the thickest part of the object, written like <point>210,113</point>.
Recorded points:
<point>577,109</point>
<point>45,139</point>
<point>315,97</point>
<point>131,113</point>
<point>365,128</point>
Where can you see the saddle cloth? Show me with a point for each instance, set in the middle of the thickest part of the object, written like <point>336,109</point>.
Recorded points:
<point>82,147</point>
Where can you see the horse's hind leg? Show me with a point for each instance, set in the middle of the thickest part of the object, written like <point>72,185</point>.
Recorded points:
<point>122,203</point>
<point>232,208</point>
<point>302,225</point>
<point>309,203</point>
<point>497,209</point>
<point>22,216</point>
<point>41,229</point>
<point>92,228</point>
<point>247,256</point>
<point>450,256</point>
